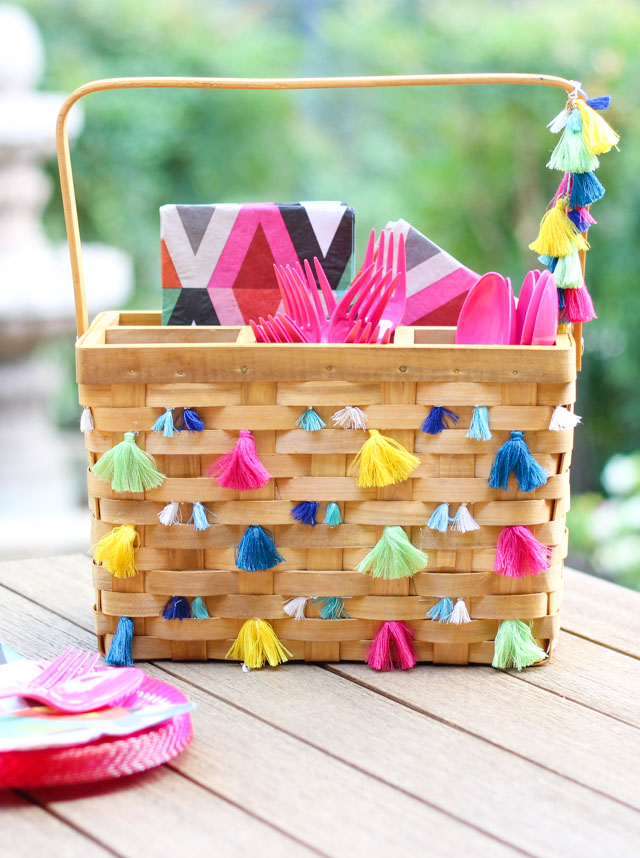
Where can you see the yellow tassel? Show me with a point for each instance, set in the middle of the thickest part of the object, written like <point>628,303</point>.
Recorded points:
<point>116,551</point>
<point>558,235</point>
<point>257,643</point>
<point>382,461</point>
<point>598,134</point>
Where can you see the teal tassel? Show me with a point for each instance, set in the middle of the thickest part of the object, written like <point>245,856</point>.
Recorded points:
<point>164,424</point>
<point>119,654</point>
<point>574,122</point>
<point>332,608</point>
<point>441,611</point>
<point>440,518</point>
<point>514,457</point>
<point>199,609</point>
<point>333,517</point>
<point>479,427</point>
<point>310,421</point>
<point>257,550</point>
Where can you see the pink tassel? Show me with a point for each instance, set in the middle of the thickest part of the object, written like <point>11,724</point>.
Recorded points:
<point>392,647</point>
<point>578,305</point>
<point>562,189</point>
<point>586,216</point>
<point>240,469</point>
<point>519,553</point>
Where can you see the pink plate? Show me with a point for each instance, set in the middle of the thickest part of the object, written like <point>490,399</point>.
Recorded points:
<point>485,317</point>
<point>526,291</point>
<point>545,326</point>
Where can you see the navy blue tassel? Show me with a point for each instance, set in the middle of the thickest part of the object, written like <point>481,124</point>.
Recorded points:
<point>600,102</point>
<point>586,189</point>
<point>177,608</point>
<point>561,301</point>
<point>257,550</point>
<point>514,457</point>
<point>438,419</point>
<point>119,654</point>
<point>305,512</point>
<point>189,420</point>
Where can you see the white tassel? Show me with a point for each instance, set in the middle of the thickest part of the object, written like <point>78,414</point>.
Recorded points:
<point>86,420</point>
<point>459,615</point>
<point>170,514</point>
<point>558,122</point>
<point>350,417</point>
<point>463,521</point>
<point>562,419</point>
<point>295,607</point>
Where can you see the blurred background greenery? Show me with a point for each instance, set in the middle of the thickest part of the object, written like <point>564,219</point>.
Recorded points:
<point>464,165</point>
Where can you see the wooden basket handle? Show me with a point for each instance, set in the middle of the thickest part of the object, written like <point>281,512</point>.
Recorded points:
<point>64,157</point>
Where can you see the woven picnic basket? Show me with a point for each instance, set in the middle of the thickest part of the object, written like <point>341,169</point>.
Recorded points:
<point>130,369</point>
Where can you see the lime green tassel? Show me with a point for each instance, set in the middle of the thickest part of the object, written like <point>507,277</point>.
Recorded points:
<point>568,271</point>
<point>571,154</point>
<point>128,468</point>
<point>393,556</point>
<point>515,646</point>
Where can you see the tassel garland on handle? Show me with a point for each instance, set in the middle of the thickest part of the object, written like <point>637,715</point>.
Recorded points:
<point>240,469</point>
<point>441,611</point>
<point>333,517</point>
<point>382,461</point>
<point>439,519</point>
<point>189,420</point>
<point>295,607</point>
<point>479,427</point>
<point>170,514</point>
<point>463,521</point>
<point>515,646</point>
<point>438,419</point>
<point>119,654</point>
<point>514,457</point>
<point>459,615</point>
<point>305,512</point>
<point>310,421</point>
<point>199,609</point>
<point>257,644</point>
<point>562,419</point>
<point>164,424</point>
<point>128,468</point>
<point>177,608</point>
<point>86,420</point>
<point>392,647</point>
<point>332,608</point>
<point>116,551</point>
<point>199,516</point>
<point>350,417</point>
<point>393,556</point>
<point>257,550</point>
<point>519,554</point>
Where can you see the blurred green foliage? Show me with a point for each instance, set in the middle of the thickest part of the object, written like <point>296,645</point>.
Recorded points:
<point>465,165</point>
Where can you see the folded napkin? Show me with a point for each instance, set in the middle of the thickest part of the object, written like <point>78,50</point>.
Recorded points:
<point>217,260</point>
<point>437,283</point>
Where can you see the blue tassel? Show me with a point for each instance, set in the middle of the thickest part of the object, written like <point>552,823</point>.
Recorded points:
<point>546,260</point>
<point>119,654</point>
<point>310,421</point>
<point>199,518</point>
<point>333,517</point>
<point>600,102</point>
<point>257,550</point>
<point>177,608</point>
<point>574,122</point>
<point>586,189</point>
<point>514,457</point>
<point>575,215</point>
<point>305,512</point>
<point>438,419</point>
<point>332,609</point>
<point>189,420</point>
<point>479,427</point>
<point>561,301</point>
<point>441,611</point>
<point>440,518</point>
<point>199,609</point>
<point>164,424</point>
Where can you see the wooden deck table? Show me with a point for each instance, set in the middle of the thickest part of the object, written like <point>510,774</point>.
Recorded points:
<point>338,760</point>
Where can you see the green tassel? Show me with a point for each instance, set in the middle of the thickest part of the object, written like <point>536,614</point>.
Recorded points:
<point>394,556</point>
<point>571,154</point>
<point>515,646</point>
<point>333,517</point>
<point>128,468</point>
<point>568,271</point>
<point>199,609</point>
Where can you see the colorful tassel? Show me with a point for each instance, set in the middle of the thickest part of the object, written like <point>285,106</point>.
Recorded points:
<point>382,462</point>
<point>441,611</point>
<point>305,512</point>
<point>519,554</point>
<point>86,420</point>
<point>514,457</point>
<point>199,516</point>
<point>170,514</point>
<point>479,427</point>
<point>582,218</point>
<point>199,609</point>
<point>561,300</point>
<point>310,421</point>
<point>438,419</point>
<point>568,272</point>
<point>256,644</point>
<point>515,646</point>
<point>598,134</point>
<point>116,551</point>
<point>601,102</point>
<point>119,654</point>
<point>558,122</point>
<point>177,608</point>
<point>586,189</point>
<point>128,468</point>
<point>562,419</point>
<point>579,305</point>
<point>574,123</point>
<point>549,261</point>
<point>164,424</point>
<point>463,521</point>
<point>459,615</point>
<point>332,608</point>
<point>240,469</point>
<point>189,420</point>
<point>350,417</point>
<point>295,607</point>
<point>333,517</point>
<point>571,153</point>
<point>257,550</point>
<point>392,647</point>
<point>558,235</point>
<point>393,556</point>
<point>440,518</point>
